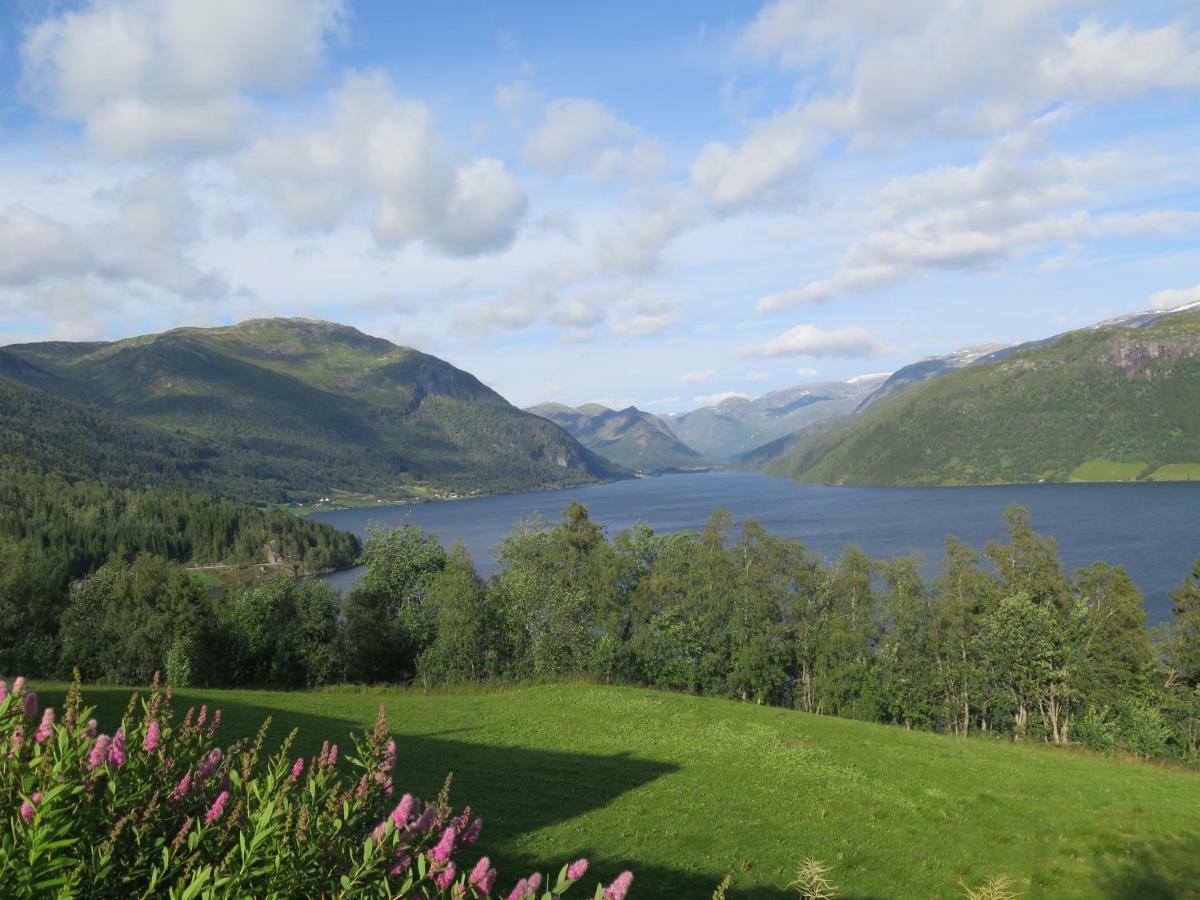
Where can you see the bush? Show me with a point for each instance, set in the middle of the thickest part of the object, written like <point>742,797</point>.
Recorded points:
<point>157,808</point>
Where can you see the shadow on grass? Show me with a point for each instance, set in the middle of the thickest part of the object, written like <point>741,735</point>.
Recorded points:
<point>1165,870</point>
<point>518,790</point>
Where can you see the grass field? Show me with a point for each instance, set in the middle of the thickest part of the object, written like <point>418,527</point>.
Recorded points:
<point>683,789</point>
<point>1107,470</point>
<point>1177,472</point>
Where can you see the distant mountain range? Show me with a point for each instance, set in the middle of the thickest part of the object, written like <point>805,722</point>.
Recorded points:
<point>273,410</point>
<point>1117,401</point>
<point>740,424</point>
<point>630,437</point>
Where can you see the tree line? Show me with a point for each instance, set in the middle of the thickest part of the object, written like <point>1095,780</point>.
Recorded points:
<point>60,538</point>
<point>1001,641</point>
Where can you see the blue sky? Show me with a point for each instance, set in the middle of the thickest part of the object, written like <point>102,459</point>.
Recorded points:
<point>658,204</point>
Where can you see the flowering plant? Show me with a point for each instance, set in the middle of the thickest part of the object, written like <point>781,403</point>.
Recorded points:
<point>157,807</point>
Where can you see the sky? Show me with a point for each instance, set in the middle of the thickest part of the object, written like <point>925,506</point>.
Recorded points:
<point>652,203</point>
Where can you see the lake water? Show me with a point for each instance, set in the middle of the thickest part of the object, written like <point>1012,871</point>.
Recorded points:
<point>1153,530</point>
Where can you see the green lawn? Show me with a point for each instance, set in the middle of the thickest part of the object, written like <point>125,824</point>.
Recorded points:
<point>1107,470</point>
<point>682,789</point>
<point>1177,472</point>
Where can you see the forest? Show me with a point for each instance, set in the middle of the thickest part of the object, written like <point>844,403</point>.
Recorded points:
<point>1002,641</point>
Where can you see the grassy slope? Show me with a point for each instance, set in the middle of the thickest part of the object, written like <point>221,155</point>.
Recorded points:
<point>1041,414</point>
<point>683,789</point>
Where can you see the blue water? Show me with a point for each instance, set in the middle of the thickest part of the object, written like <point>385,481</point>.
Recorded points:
<point>1153,530</point>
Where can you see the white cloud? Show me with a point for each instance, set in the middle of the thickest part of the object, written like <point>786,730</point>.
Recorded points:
<point>644,326</point>
<point>147,77</point>
<point>1019,197</point>
<point>766,169</point>
<point>34,248</point>
<point>810,340</point>
<point>1173,297</point>
<point>905,72</point>
<point>757,376</point>
<point>950,55</point>
<point>580,134</point>
<point>373,150</point>
<point>144,237</point>
<point>806,373</point>
<point>695,377</point>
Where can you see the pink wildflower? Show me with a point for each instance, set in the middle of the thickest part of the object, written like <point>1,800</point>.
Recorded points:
<point>445,878</point>
<point>3,690</point>
<point>535,882</point>
<point>403,861</point>
<point>471,835</point>
<point>331,760</point>
<point>116,750</point>
<point>89,730</point>
<point>216,720</point>
<point>387,768</point>
<point>480,870</point>
<point>217,808</point>
<point>181,789</point>
<point>153,736</point>
<point>203,717</point>
<point>15,742</point>
<point>297,767</point>
<point>577,869</point>
<point>209,765</point>
<point>360,790</point>
<point>27,811</point>
<point>99,753</point>
<point>47,727</point>
<point>521,891</point>
<point>445,846</point>
<point>31,704</point>
<point>619,888</point>
<point>19,685</point>
<point>403,811</point>
<point>425,822</point>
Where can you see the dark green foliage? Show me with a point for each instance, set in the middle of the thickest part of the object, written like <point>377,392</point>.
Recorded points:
<point>81,523</point>
<point>387,619</point>
<point>279,632</point>
<point>1126,400</point>
<point>1016,647</point>
<point>123,619</point>
<point>273,410</point>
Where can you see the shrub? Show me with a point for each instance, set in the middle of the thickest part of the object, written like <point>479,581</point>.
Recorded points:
<point>157,808</point>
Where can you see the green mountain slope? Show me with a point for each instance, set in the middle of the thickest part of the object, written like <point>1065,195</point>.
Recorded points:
<point>629,437</point>
<point>1107,403</point>
<point>295,407</point>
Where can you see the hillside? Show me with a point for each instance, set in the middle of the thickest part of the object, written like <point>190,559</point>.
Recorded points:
<point>740,424</point>
<point>629,437</point>
<point>635,779</point>
<point>1118,401</point>
<point>762,458</point>
<point>286,409</point>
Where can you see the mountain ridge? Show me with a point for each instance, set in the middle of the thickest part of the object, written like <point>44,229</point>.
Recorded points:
<point>630,437</point>
<point>313,406</point>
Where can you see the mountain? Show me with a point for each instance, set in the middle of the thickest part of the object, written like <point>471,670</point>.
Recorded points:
<point>629,437</point>
<point>929,367</point>
<point>762,458</point>
<point>287,409</point>
<point>740,424</point>
<point>1116,401</point>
